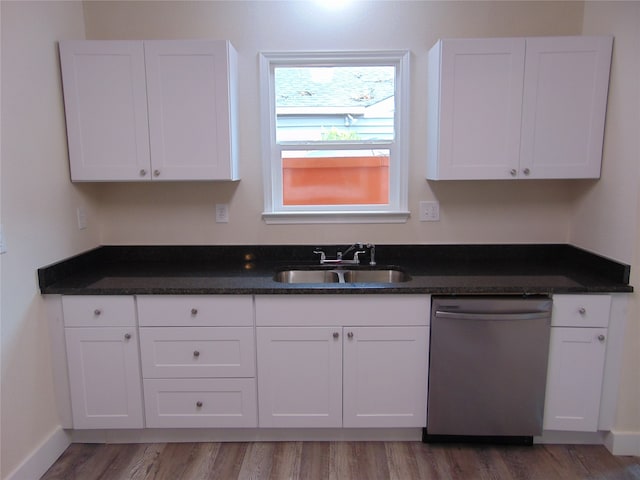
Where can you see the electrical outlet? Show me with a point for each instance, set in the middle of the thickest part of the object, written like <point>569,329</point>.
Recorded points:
<point>429,211</point>
<point>222,213</point>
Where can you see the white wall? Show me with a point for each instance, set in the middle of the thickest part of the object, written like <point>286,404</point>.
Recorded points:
<point>37,212</point>
<point>610,203</point>
<point>470,211</point>
<point>607,215</point>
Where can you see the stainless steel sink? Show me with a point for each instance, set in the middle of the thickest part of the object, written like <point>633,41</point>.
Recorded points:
<point>307,276</point>
<point>342,275</point>
<point>375,276</point>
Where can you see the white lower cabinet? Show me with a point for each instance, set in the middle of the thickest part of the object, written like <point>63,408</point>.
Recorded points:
<point>367,369</point>
<point>198,361</point>
<point>385,370</point>
<point>300,376</point>
<point>304,361</point>
<point>576,362</point>
<point>200,402</point>
<point>197,352</point>
<point>103,362</point>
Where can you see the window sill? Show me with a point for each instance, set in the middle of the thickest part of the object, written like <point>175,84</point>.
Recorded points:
<point>281,218</point>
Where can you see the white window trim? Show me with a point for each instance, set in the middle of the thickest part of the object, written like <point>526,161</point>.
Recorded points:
<point>397,211</point>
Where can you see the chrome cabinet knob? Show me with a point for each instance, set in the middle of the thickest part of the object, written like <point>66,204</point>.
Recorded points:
<point>97,312</point>
<point>350,334</point>
<point>143,172</point>
<point>513,172</point>
<point>601,337</point>
<point>199,404</point>
<point>582,310</point>
<point>127,336</point>
<point>194,311</point>
<point>196,353</point>
<point>526,171</point>
<point>336,334</point>
<point>156,173</point>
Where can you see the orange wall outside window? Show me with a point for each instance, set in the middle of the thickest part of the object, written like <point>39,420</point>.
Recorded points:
<point>335,180</point>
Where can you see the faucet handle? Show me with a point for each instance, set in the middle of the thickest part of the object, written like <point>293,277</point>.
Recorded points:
<point>323,256</point>
<point>356,256</point>
<point>372,253</point>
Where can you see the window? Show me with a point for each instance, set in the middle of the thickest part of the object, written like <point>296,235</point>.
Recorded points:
<point>334,137</point>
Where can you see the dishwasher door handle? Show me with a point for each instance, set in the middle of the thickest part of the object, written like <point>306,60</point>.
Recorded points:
<point>492,316</point>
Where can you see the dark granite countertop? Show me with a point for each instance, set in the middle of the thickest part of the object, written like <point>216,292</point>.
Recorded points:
<point>247,269</point>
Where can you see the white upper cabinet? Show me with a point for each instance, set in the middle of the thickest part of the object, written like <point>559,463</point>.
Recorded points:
<point>106,108</point>
<point>475,105</point>
<point>161,110</point>
<point>191,93</point>
<point>504,108</point>
<point>566,80</point>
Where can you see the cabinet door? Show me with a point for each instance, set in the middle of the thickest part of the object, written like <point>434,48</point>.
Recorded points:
<point>106,109</point>
<point>574,379</point>
<point>104,375</point>
<point>299,376</point>
<point>565,98</point>
<point>475,99</point>
<point>385,376</point>
<point>190,98</point>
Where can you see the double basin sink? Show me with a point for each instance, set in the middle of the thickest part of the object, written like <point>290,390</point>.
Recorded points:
<point>341,275</point>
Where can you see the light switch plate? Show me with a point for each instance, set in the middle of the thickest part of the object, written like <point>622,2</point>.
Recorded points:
<point>81,213</point>
<point>222,213</point>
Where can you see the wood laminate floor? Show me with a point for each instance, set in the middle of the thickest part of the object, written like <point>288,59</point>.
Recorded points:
<point>338,460</point>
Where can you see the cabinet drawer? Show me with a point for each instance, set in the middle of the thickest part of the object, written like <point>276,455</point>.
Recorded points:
<point>200,403</point>
<point>581,310</point>
<point>98,311</point>
<point>195,310</point>
<point>197,352</point>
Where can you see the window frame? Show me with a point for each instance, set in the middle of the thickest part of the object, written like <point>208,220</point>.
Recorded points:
<point>274,210</point>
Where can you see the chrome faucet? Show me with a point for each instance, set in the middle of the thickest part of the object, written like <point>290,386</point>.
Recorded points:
<point>340,260</point>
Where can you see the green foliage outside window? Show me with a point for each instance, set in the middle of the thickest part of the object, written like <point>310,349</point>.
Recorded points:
<point>335,134</point>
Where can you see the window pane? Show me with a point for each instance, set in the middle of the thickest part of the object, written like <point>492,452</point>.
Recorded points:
<point>354,103</point>
<point>335,177</point>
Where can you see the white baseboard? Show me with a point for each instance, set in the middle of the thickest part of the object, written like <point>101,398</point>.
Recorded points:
<point>623,443</point>
<point>565,438</point>
<point>42,457</point>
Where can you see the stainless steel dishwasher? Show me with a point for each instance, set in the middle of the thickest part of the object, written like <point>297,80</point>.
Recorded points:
<point>487,368</point>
